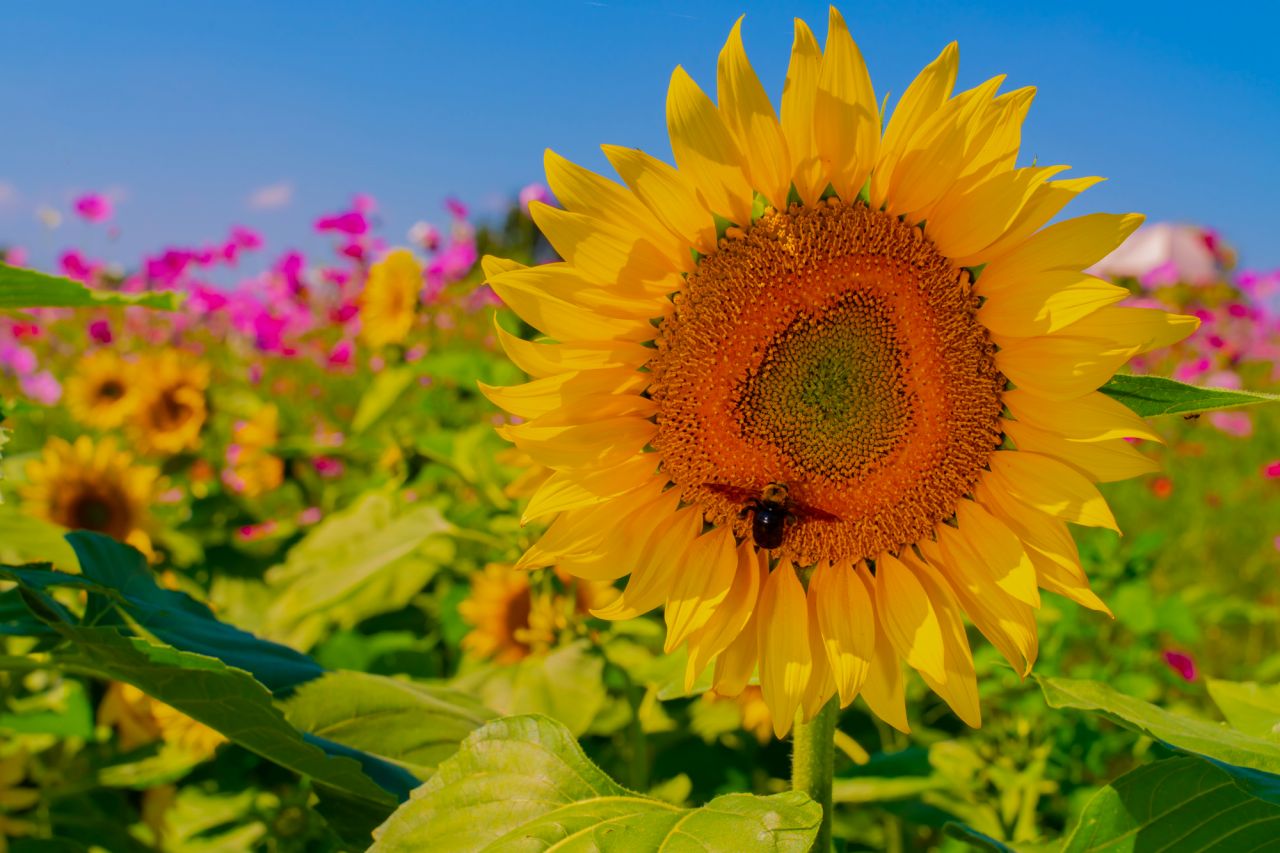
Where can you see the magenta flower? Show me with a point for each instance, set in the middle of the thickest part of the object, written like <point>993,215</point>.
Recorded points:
<point>93,207</point>
<point>1272,470</point>
<point>328,466</point>
<point>352,223</point>
<point>456,208</point>
<point>41,388</point>
<point>15,256</point>
<point>77,267</point>
<point>310,515</point>
<point>100,331</point>
<point>535,192</point>
<point>1181,663</point>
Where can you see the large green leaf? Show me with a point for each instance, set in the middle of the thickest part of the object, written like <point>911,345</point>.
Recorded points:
<point>387,387</point>
<point>415,726</point>
<point>1156,395</point>
<point>1180,804</point>
<point>126,587</point>
<point>1252,761</point>
<point>23,288</point>
<point>566,684</point>
<point>1252,708</point>
<point>369,558</point>
<point>524,783</point>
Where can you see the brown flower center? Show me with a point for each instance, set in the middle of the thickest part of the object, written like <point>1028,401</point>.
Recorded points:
<point>832,349</point>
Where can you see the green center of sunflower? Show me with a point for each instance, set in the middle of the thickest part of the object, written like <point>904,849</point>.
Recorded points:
<point>830,392</point>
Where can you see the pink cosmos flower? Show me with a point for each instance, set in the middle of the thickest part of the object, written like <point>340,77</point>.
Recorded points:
<point>535,192</point>
<point>1272,471</point>
<point>93,207</point>
<point>456,208</point>
<point>342,353</point>
<point>310,515</point>
<point>15,256</point>
<point>41,388</point>
<point>1164,253</point>
<point>1181,663</point>
<point>100,331</point>
<point>352,223</point>
<point>78,268</point>
<point>328,466</point>
<point>1237,424</point>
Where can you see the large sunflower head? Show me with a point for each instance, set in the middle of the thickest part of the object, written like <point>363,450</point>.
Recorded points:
<point>389,301</point>
<point>91,485</point>
<point>824,389</point>
<point>101,392</point>
<point>171,407</point>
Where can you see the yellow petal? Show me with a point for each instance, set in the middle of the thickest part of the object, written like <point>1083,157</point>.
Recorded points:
<point>656,567</point>
<point>705,151</point>
<point>582,531</point>
<point>701,586</point>
<point>542,359</point>
<point>798,96</point>
<point>846,618</point>
<point>908,617</point>
<point>732,616</point>
<point>822,683</point>
<point>1051,487</point>
<point>1009,624</point>
<point>1100,461</point>
<point>1144,329</point>
<point>960,688</point>
<point>524,292</point>
<point>542,396</point>
<point>999,551</point>
<point>1070,245</point>
<point>1060,367</point>
<point>626,536</point>
<point>1046,202</point>
<point>735,665</point>
<point>667,194</point>
<point>884,691</point>
<point>600,444</point>
<point>846,121</point>
<point>967,221</point>
<point>604,252</point>
<point>583,191</point>
<point>998,145</point>
<point>919,103</point>
<point>565,490</point>
<point>751,119</point>
<point>1044,303</point>
<point>783,640</point>
<point>1093,417</point>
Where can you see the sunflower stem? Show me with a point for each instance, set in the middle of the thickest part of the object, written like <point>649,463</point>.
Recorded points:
<point>812,760</point>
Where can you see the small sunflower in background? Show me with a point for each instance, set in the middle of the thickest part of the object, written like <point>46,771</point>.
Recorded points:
<point>253,470</point>
<point>171,408</point>
<point>92,485</point>
<point>389,301</point>
<point>824,390</point>
<point>139,720</point>
<point>510,620</point>
<point>101,392</point>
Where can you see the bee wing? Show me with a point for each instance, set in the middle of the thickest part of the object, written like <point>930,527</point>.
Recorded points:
<point>813,512</point>
<point>737,494</point>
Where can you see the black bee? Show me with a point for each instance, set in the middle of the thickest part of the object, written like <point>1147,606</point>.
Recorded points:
<point>772,511</point>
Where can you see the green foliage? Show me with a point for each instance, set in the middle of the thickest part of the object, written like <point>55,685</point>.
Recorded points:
<point>1151,396</point>
<point>565,684</point>
<point>1252,708</point>
<point>525,780</point>
<point>23,288</point>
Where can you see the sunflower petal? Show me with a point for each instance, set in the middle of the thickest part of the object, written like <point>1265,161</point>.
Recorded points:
<point>1093,417</point>
<point>656,567</point>
<point>822,684</point>
<point>732,616</point>
<point>846,618</point>
<point>884,691</point>
<point>1051,487</point>
<point>960,688</point>
<point>1100,461</point>
<point>736,664</point>
<point>846,121</point>
<point>667,195</point>
<point>999,551</point>
<point>1060,367</point>
<point>702,585</point>
<point>574,490</point>
<point>920,102</point>
<point>1073,244</point>
<point>1045,303</point>
<point>783,642</point>
<point>908,617</point>
<point>753,122</point>
<point>799,94</point>
<point>1145,329</point>
<point>705,150</point>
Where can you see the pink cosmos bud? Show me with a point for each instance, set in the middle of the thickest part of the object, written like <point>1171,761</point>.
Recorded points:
<point>310,515</point>
<point>93,207</point>
<point>364,203</point>
<point>1181,663</point>
<point>100,331</point>
<point>15,256</point>
<point>456,208</point>
<point>352,223</point>
<point>425,235</point>
<point>535,192</point>
<point>1232,423</point>
<point>341,354</point>
<point>1272,470</point>
<point>328,466</point>
<point>41,388</point>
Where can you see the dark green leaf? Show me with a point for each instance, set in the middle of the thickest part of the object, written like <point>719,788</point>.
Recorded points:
<point>1181,804</point>
<point>524,783</point>
<point>23,288</point>
<point>1156,395</point>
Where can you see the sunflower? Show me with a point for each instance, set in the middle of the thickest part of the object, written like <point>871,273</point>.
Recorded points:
<point>389,300</point>
<point>91,486</point>
<point>171,407</point>
<point>139,720</point>
<point>874,331</point>
<point>100,393</point>
<point>510,620</point>
<point>254,471</point>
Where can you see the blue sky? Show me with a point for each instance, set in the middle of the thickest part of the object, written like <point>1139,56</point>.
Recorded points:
<point>185,110</point>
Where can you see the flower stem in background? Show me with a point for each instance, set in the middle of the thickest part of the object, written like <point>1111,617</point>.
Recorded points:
<point>811,765</point>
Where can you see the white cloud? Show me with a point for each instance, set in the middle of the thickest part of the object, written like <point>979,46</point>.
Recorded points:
<point>272,196</point>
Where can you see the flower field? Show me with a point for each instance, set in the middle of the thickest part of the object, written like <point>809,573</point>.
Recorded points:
<point>826,489</point>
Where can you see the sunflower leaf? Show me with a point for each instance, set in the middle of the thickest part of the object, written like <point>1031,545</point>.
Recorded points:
<point>1251,708</point>
<point>1252,762</point>
<point>23,288</point>
<point>525,780</point>
<point>1178,803</point>
<point>1150,396</point>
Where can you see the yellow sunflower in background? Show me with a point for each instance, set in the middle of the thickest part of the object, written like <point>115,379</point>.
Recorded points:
<point>171,407</point>
<point>254,470</point>
<point>139,720</point>
<point>389,301</point>
<point>100,393</point>
<point>822,390</point>
<point>510,620</point>
<point>92,486</point>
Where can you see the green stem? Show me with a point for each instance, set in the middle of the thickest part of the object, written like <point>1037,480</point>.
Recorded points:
<point>812,757</point>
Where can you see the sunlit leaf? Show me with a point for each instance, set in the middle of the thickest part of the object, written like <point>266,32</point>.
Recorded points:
<point>1251,708</point>
<point>565,684</point>
<point>525,781</point>
<point>1150,396</point>
<point>23,288</point>
<point>1178,804</point>
<point>382,393</point>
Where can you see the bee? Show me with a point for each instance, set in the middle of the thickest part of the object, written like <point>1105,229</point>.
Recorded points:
<point>772,511</point>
